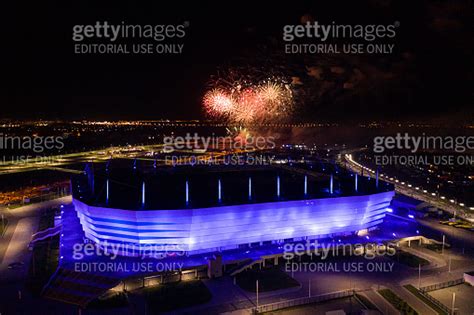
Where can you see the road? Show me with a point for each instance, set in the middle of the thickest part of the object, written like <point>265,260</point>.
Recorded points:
<point>59,162</point>
<point>407,189</point>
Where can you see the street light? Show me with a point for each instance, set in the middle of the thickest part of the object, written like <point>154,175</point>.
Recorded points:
<point>419,276</point>
<point>256,287</point>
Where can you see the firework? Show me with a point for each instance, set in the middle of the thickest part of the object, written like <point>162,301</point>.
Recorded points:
<point>278,98</point>
<point>239,134</point>
<point>218,103</point>
<point>242,102</point>
<point>250,106</point>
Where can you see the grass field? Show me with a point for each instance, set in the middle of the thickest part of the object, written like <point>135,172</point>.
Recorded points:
<point>415,292</point>
<point>397,302</point>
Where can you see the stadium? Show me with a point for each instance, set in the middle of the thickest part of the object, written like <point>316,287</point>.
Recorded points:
<point>213,209</point>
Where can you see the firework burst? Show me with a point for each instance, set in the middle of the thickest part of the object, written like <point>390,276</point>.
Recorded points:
<point>218,103</point>
<point>242,102</point>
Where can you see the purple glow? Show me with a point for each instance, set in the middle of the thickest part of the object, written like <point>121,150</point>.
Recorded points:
<point>226,227</point>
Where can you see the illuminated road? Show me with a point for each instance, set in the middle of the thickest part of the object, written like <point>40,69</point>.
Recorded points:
<point>59,162</point>
<point>415,192</point>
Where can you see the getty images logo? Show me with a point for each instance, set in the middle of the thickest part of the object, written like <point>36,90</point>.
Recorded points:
<point>107,38</point>
<point>114,32</point>
<point>323,32</point>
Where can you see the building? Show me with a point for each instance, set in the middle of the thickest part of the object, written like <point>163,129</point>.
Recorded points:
<point>199,210</point>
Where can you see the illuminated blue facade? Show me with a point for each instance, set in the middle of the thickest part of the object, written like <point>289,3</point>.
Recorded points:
<point>226,227</point>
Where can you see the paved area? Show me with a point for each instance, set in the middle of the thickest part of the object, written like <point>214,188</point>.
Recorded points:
<point>348,305</point>
<point>381,304</point>
<point>367,283</point>
<point>463,300</point>
<point>414,302</point>
<point>230,298</point>
<point>30,211</point>
<point>17,249</point>
<point>23,222</point>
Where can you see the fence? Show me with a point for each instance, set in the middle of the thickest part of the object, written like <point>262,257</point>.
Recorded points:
<point>442,285</point>
<point>438,286</point>
<point>302,301</point>
<point>445,309</point>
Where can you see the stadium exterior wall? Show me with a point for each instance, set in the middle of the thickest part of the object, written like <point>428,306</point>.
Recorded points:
<point>218,228</point>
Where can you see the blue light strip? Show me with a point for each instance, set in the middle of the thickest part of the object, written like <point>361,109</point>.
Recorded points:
<point>107,192</point>
<point>278,186</point>
<point>250,188</point>
<point>305,185</point>
<point>124,222</point>
<point>187,192</point>
<point>377,178</point>
<point>100,226</point>
<point>331,184</point>
<point>219,190</point>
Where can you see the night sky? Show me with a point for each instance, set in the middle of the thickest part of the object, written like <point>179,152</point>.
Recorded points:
<point>428,77</point>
